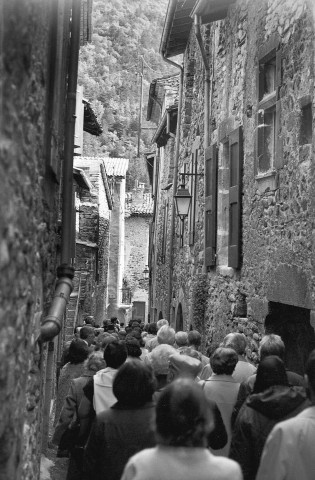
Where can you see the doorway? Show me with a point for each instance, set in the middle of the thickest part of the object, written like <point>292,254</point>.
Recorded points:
<point>293,325</point>
<point>179,318</point>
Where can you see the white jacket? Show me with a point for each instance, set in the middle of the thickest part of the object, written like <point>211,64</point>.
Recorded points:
<point>103,389</point>
<point>289,450</point>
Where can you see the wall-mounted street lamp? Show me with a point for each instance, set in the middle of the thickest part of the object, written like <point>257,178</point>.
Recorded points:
<point>182,201</point>
<point>146,272</point>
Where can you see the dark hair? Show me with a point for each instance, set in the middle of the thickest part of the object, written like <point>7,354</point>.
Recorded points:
<point>113,319</point>
<point>183,416</point>
<point>271,345</point>
<point>152,328</point>
<point>134,383</point>
<point>136,333</point>
<point>270,372</point>
<point>310,370</point>
<point>237,341</point>
<point>223,361</point>
<point>78,351</point>
<point>133,347</point>
<point>86,331</point>
<point>115,354</point>
<point>194,338</point>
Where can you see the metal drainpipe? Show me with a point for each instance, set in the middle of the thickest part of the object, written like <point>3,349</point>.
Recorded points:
<point>52,323</point>
<point>197,23</point>
<point>177,146</point>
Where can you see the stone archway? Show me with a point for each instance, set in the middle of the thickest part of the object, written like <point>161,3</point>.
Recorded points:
<point>160,315</point>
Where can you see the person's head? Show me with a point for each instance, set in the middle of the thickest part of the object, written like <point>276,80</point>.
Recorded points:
<point>194,339</point>
<point>136,333</point>
<point>271,345</point>
<point>94,362</point>
<point>87,333</point>
<point>103,339</point>
<point>133,347</point>
<point>223,361</point>
<point>78,351</point>
<point>114,320</point>
<point>134,383</point>
<point>115,354</point>
<point>159,359</point>
<point>122,334</point>
<point>310,374</point>
<point>191,352</point>
<point>270,372</point>
<point>166,335</point>
<point>181,339</point>
<point>183,366</point>
<point>160,323</point>
<point>235,340</point>
<point>152,328</point>
<point>89,320</point>
<point>183,415</point>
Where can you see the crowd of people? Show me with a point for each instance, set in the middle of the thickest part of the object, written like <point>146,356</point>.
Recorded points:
<point>142,402</point>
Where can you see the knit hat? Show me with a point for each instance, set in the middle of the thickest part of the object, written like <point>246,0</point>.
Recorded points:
<point>159,358</point>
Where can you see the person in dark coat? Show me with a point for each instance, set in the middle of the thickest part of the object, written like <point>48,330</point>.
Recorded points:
<point>125,428</point>
<point>272,401</point>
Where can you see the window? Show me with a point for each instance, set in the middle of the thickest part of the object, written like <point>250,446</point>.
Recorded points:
<point>268,143</point>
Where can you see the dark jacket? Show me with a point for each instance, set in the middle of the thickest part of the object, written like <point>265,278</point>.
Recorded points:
<point>116,435</point>
<point>256,419</point>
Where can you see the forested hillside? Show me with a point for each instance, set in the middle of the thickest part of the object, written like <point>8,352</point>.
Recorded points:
<point>123,31</point>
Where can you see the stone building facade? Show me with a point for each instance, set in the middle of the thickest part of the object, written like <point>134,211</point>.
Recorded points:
<point>34,49</point>
<point>246,130</point>
<point>138,215</point>
<point>93,211</point>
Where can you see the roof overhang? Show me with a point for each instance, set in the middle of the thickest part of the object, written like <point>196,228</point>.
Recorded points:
<point>164,130</point>
<point>211,10</point>
<point>81,179</point>
<point>150,158</point>
<point>91,124</point>
<point>177,27</point>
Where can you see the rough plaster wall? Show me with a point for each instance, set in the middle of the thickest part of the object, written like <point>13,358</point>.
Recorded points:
<point>277,225</point>
<point>28,207</point>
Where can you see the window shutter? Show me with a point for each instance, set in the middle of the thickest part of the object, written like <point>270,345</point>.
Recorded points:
<point>235,195</point>
<point>278,161</point>
<point>193,189</point>
<point>260,139</point>
<point>211,165</point>
<point>278,72</point>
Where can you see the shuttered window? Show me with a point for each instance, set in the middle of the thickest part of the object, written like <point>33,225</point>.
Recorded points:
<point>211,165</point>
<point>235,195</point>
<point>268,128</point>
<point>164,233</point>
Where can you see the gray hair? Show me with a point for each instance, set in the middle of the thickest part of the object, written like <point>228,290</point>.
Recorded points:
<point>94,362</point>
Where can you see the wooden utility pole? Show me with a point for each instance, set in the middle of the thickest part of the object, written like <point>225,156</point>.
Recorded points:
<point>140,107</point>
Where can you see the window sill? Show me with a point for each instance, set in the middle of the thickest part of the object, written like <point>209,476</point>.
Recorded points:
<point>266,181</point>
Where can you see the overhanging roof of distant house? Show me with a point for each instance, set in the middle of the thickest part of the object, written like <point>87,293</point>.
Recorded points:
<point>179,20</point>
<point>81,179</point>
<point>91,124</point>
<point>116,167</point>
<point>211,10</point>
<point>177,26</point>
<point>159,89</point>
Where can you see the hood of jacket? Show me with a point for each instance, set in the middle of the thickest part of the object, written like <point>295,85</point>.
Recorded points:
<point>277,401</point>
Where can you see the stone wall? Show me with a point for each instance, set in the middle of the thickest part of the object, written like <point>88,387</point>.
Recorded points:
<point>29,234</point>
<point>277,210</point>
